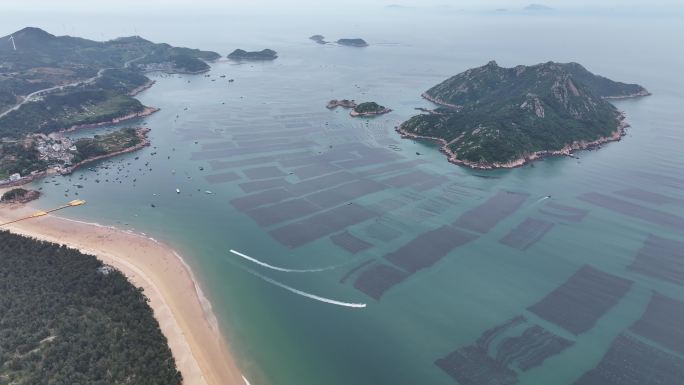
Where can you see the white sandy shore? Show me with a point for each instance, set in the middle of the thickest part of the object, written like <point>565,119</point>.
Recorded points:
<point>185,318</point>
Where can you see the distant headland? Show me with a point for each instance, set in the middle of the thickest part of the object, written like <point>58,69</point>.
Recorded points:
<point>265,54</point>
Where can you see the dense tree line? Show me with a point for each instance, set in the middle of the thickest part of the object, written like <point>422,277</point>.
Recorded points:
<point>66,319</point>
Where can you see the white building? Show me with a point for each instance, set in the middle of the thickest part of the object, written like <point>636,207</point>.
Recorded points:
<point>15,177</point>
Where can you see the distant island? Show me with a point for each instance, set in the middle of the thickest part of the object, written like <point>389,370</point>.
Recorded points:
<point>50,84</point>
<point>363,109</point>
<point>320,39</point>
<point>537,7</point>
<point>353,42</point>
<point>265,54</point>
<point>369,109</point>
<point>344,103</point>
<point>494,117</point>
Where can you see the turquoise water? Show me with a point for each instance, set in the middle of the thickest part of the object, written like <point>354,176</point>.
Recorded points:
<point>273,117</point>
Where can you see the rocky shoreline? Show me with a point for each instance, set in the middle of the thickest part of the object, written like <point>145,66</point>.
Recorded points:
<point>370,113</point>
<point>630,96</point>
<point>437,101</point>
<point>142,88</point>
<point>565,151</point>
<point>147,111</point>
<point>141,133</point>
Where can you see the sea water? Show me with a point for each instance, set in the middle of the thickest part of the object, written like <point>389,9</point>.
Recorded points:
<point>283,308</point>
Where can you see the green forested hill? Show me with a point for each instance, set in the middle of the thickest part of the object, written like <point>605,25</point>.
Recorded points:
<point>66,321</point>
<point>491,116</point>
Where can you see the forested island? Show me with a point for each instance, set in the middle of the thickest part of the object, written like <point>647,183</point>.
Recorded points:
<point>54,83</point>
<point>494,117</point>
<point>369,109</point>
<point>264,54</point>
<point>69,319</point>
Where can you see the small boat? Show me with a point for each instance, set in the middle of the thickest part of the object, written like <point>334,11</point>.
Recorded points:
<point>177,191</point>
<point>208,192</point>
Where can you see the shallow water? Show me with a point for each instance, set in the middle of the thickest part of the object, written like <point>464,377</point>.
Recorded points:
<point>466,250</point>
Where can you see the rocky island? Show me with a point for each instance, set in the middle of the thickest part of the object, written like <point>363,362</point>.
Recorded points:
<point>495,117</point>
<point>265,54</point>
<point>369,109</point>
<point>353,42</point>
<point>344,103</point>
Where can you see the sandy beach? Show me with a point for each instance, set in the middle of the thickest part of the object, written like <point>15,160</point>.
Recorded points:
<point>185,317</point>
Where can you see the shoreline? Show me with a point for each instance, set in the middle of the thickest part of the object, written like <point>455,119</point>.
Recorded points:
<point>184,314</point>
<point>147,111</point>
<point>565,151</point>
<point>141,132</point>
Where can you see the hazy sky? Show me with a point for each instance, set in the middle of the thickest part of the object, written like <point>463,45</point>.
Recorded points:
<point>320,5</point>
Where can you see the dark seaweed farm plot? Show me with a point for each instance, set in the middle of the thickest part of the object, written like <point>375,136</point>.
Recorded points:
<point>222,177</point>
<point>634,210</point>
<point>346,192</point>
<point>527,233</point>
<point>663,322</point>
<point>585,297</point>
<point>631,362</point>
<point>661,258</point>
<point>649,196</point>
<point>428,248</point>
<point>350,243</point>
<point>484,217</point>
<point>563,212</point>
<point>472,366</point>
<point>282,212</point>
<point>266,184</point>
<point>255,200</point>
<point>263,172</point>
<point>513,345</point>
<point>377,279</point>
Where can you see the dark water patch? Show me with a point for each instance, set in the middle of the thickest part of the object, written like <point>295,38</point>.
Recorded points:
<point>391,204</point>
<point>218,145</point>
<point>632,362</point>
<point>370,159</point>
<point>263,172</point>
<point>408,179</point>
<point>321,183</point>
<point>661,258</point>
<point>486,216</point>
<point>648,196</point>
<point>197,134</point>
<point>472,366</point>
<point>330,156</point>
<point>414,214</point>
<point>222,177</point>
<point>382,232</point>
<point>428,248</point>
<point>634,210</point>
<point>283,211</point>
<point>320,225</point>
<point>585,297</point>
<point>398,166</point>
<point>490,334</point>
<point>277,133</point>
<point>663,322</point>
<point>664,180</point>
<point>433,205</point>
<point>377,279</point>
<point>263,142</point>
<point>346,192</point>
<point>249,202</point>
<point>563,212</point>
<point>353,270</point>
<point>527,233</point>
<point>531,348</point>
<point>314,170</point>
<point>435,182</point>
<point>265,184</point>
<point>227,153</point>
<point>239,163</point>
<point>350,243</point>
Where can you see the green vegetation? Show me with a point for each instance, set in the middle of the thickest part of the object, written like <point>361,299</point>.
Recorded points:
<point>13,194</point>
<point>369,107</point>
<point>19,157</point>
<point>265,54</point>
<point>63,110</point>
<point>68,319</point>
<point>495,115</point>
<point>110,143</point>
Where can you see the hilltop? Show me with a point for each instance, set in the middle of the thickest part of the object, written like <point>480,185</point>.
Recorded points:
<point>495,117</point>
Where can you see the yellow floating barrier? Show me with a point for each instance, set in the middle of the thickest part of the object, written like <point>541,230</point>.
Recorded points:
<point>38,214</point>
<point>77,202</point>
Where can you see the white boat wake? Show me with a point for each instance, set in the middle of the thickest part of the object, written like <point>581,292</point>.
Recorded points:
<point>303,293</point>
<point>277,268</point>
